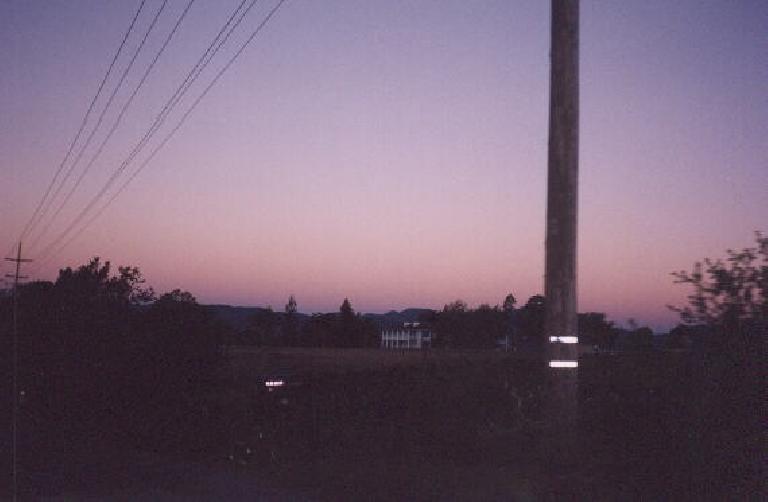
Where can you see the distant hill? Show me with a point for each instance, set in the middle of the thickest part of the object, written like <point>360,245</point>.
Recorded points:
<point>236,317</point>
<point>394,318</point>
<point>239,318</point>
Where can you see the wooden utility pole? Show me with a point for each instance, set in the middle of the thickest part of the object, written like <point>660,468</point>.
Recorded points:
<point>18,260</point>
<point>561,326</point>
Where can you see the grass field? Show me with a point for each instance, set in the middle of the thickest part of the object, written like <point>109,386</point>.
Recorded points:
<point>258,361</point>
<point>448,424</point>
<point>372,424</point>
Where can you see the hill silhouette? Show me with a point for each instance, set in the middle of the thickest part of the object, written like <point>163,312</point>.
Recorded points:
<point>239,318</point>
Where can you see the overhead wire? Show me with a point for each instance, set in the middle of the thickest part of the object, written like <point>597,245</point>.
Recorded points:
<point>90,137</point>
<point>173,131</point>
<point>191,77</point>
<point>34,218</point>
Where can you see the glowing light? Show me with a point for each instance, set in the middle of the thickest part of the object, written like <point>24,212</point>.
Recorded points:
<point>274,383</point>
<point>563,364</point>
<point>564,339</point>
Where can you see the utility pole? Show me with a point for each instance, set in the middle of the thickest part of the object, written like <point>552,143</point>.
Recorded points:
<point>18,260</point>
<point>561,322</point>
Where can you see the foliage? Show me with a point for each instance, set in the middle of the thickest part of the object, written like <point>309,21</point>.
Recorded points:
<point>453,327</point>
<point>342,329</point>
<point>594,329</point>
<point>530,332</point>
<point>291,307</point>
<point>641,339</point>
<point>730,293</point>
<point>264,328</point>
<point>346,310</point>
<point>290,326</point>
<point>509,303</point>
<point>458,326</point>
<point>103,363</point>
<point>345,328</point>
<point>729,304</point>
<point>320,330</point>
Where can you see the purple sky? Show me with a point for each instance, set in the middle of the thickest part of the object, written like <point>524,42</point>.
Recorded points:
<point>395,152</point>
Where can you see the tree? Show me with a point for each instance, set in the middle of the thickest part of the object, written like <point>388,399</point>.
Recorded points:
<point>509,303</point>
<point>594,329</point>
<point>510,319</point>
<point>176,296</point>
<point>730,302</point>
<point>346,310</point>
<point>321,330</point>
<point>290,307</point>
<point>366,332</point>
<point>174,367</point>
<point>184,335</point>
<point>457,326</point>
<point>531,323</point>
<point>456,306</point>
<point>290,322</point>
<point>452,325</point>
<point>346,327</point>
<point>641,339</point>
<point>488,326</point>
<point>730,295</point>
<point>263,324</point>
<point>75,345</point>
<point>105,365</point>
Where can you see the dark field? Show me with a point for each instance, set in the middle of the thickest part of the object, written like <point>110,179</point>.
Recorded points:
<point>458,425</point>
<point>468,425</point>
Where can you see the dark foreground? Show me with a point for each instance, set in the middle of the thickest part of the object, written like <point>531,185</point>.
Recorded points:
<point>302,425</point>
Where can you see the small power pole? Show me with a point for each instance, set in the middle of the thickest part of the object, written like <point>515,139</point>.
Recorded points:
<point>16,276</point>
<point>561,321</point>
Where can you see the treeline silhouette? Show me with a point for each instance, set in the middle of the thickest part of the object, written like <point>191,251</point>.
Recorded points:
<point>107,367</point>
<point>104,366</point>
<point>342,329</point>
<point>456,326</point>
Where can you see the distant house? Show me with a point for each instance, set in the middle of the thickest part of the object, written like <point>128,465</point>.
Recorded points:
<point>411,335</point>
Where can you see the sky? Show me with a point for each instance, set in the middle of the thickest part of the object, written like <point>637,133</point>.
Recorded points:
<point>391,152</point>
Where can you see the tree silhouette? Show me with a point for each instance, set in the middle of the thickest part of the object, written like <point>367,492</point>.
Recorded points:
<point>290,307</point>
<point>594,329</point>
<point>290,322</point>
<point>105,365</point>
<point>321,330</point>
<point>346,325</point>
<point>531,324</point>
<point>729,303</point>
<point>263,327</point>
<point>509,303</point>
<point>457,326</point>
<point>347,314</point>
<point>731,294</point>
<point>488,326</point>
<point>177,361</point>
<point>451,326</point>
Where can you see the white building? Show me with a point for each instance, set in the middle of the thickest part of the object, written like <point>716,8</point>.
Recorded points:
<point>412,335</point>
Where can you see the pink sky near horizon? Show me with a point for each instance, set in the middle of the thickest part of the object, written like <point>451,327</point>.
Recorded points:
<point>395,153</point>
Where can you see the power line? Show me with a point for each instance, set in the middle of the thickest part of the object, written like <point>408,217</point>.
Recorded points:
<point>101,116</point>
<point>191,77</point>
<point>103,113</point>
<point>173,131</point>
<point>32,220</point>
